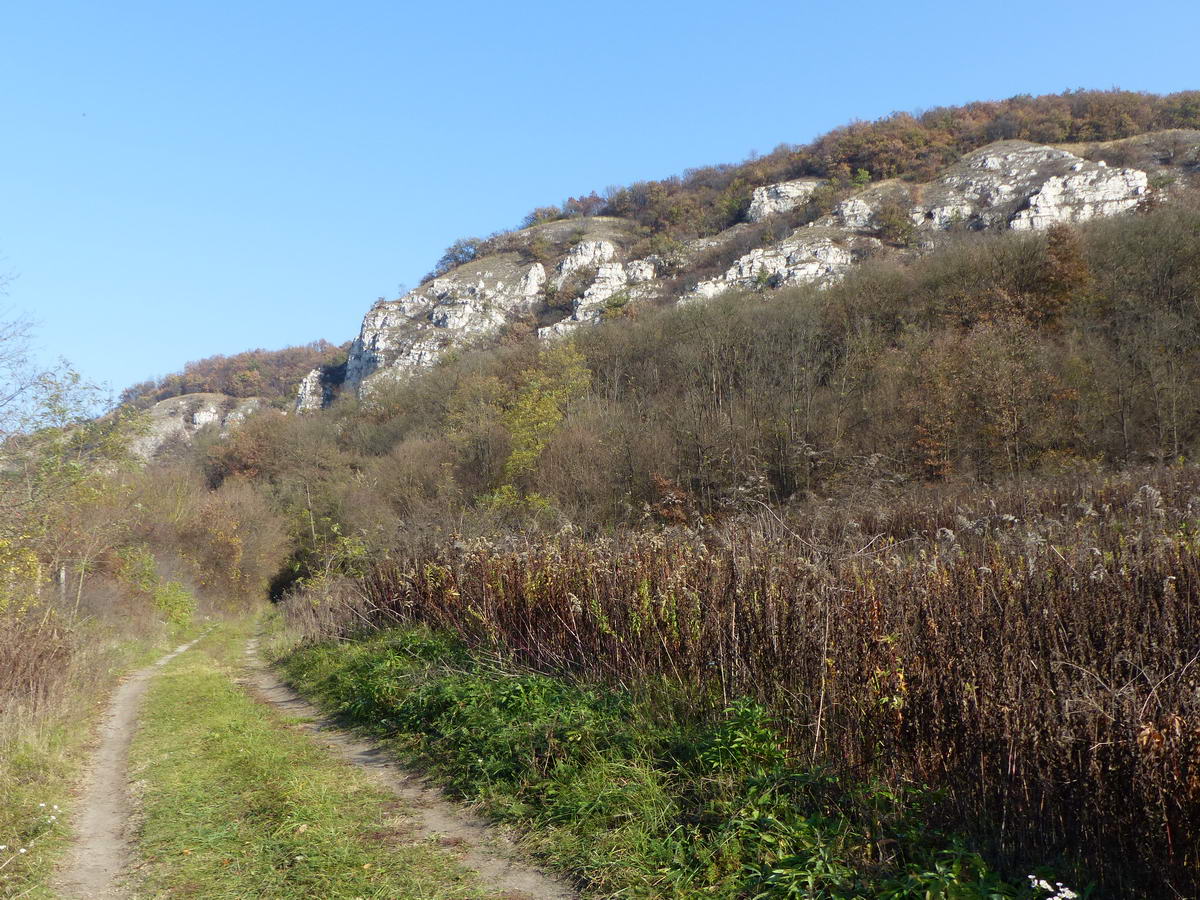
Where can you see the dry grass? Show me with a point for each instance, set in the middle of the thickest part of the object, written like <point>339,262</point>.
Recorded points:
<point>1031,653</point>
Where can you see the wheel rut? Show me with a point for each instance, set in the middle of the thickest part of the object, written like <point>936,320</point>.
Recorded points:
<point>487,851</point>
<point>101,850</point>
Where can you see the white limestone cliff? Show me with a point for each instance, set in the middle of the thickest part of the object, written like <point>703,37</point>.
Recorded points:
<point>570,273</point>
<point>810,255</point>
<point>785,196</point>
<point>614,281</point>
<point>1022,185</point>
<point>410,333</point>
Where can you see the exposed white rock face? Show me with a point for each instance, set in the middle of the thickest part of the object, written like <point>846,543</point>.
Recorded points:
<point>401,336</point>
<point>1013,184</point>
<point>174,422</point>
<point>640,271</point>
<point>311,394</point>
<point>533,280</point>
<point>412,332</point>
<point>1024,185</point>
<point>315,392</point>
<point>809,255</point>
<point>584,255</point>
<point>1082,195</point>
<point>780,198</point>
<point>854,212</point>
<point>612,278</point>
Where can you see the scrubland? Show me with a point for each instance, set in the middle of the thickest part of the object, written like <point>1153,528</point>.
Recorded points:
<point>886,589</point>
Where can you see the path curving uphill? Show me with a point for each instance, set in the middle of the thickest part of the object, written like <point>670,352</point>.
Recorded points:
<point>101,849</point>
<point>485,849</point>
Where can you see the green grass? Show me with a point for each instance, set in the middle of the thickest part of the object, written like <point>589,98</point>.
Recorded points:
<point>636,799</point>
<point>236,804</point>
<point>42,755</point>
<point>37,770</point>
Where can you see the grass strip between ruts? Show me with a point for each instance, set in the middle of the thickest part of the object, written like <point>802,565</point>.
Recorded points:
<point>236,804</point>
<point>43,754</point>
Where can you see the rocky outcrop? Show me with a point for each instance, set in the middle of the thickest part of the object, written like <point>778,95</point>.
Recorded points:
<point>810,255</point>
<point>785,196</point>
<point>317,390</point>
<point>582,256</point>
<point>1022,185</point>
<point>400,336</point>
<point>614,285</point>
<point>558,276</point>
<point>583,273</point>
<point>1084,194</point>
<point>173,424</point>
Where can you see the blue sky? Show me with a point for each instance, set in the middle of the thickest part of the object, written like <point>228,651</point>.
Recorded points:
<point>179,179</point>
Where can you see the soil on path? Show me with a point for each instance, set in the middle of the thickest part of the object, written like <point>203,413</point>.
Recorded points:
<point>485,849</point>
<point>102,842</point>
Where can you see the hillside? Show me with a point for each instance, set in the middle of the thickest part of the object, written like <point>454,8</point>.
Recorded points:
<point>602,258</point>
<point>271,375</point>
<point>826,525</point>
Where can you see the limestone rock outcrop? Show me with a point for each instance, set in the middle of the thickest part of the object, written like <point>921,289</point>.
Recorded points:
<point>785,196</point>
<point>1023,185</point>
<point>316,391</point>
<point>585,271</point>
<point>820,255</point>
<point>614,285</point>
<point>174,423</point>
<point>558,276</point>
<point>400,336</point>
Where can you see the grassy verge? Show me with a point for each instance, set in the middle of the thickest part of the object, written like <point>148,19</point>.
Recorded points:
<point>635,801</point>
<point>235,804</point>
<point>43,750</point>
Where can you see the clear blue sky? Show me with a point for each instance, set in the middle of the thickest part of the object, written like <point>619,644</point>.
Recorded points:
<point>179,179</point>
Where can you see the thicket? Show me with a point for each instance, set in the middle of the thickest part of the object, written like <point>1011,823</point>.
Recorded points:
<point>710,199</point>
<point>1027,652</point>
<point>996,357</point>
<point>99,563</point>
<point>271,374</point>
<point>945,584</point>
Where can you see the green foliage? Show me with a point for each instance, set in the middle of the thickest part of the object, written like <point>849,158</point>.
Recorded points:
<point>175,602</point>
<point>139,572</point>
<point>634,803</point>
<point>540,404</point>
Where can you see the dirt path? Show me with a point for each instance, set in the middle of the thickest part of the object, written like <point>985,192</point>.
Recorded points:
<point>485,850</point>
<point>102,841</point>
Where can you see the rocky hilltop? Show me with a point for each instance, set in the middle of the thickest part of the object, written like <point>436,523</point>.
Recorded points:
<point>558,276</point>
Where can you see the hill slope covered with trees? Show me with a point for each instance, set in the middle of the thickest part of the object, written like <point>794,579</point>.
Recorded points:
<point>882,586</point>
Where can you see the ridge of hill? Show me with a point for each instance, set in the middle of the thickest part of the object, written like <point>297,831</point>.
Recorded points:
<point>552,277</point>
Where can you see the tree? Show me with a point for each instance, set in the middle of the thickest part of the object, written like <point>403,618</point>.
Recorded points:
<point>540,404</point>
<point>460,252</point>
